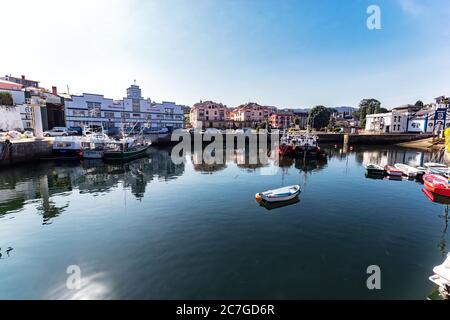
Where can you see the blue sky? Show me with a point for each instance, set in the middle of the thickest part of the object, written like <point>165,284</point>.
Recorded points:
<point>282,53</point>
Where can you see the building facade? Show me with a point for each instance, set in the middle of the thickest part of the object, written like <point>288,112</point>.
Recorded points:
<point>210,114</point>
<point>132,111</point>
<point>22,81</point>
<point>282,119</point>
<point>251,112</point>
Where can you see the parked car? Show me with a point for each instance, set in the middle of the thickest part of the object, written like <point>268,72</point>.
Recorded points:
<point>57,132</point>
<point>78,131</point>
<point>213,131</point>
<point>28,134</point>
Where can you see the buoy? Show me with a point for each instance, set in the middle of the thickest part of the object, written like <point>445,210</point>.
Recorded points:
<point>258,197</point>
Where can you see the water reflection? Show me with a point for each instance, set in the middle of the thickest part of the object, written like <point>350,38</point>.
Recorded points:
<point>26,184</point>
<point>277,205</point>
<point>39,184</point>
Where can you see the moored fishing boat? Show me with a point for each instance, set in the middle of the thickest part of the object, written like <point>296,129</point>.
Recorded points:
<point>279,195</point>
<point>67,148</point>
<point>437,184</point>
<point>392,171</point>
<point>406,170</point>
<point>125,150</point>
<point>374,169</point>
<point>298,144</point>
<point>94,145</point>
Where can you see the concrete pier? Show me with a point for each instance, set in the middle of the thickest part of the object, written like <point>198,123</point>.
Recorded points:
<point>27,150</point>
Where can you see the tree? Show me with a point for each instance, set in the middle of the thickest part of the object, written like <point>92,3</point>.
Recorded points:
<point>368,106</point>
<point>319,117</point>
<point>419,104</point>
<point>6,99</point>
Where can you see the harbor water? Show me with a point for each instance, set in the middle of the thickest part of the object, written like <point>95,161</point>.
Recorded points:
<point>152,229</point>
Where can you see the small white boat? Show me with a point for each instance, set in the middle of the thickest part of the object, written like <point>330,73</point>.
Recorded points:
<point>408,171</point>
<point>279,195</point>
<point>441,277</point>
<point>434,165</point>
<point>438,168</point>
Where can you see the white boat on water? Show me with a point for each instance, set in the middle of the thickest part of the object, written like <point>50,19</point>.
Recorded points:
<point>438,168</point>
<point>441,277</point>
<point>409,171</point>
<point>435,165</point>
<point>67,148</point>
<point>279,195</point>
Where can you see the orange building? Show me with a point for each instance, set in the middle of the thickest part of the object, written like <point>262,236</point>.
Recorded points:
<point>282,119</point>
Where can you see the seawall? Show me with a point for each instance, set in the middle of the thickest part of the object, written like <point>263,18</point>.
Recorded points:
<point>370,139</point>
<point>25,151</point>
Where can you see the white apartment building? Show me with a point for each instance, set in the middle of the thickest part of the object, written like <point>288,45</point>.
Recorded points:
<point>399,120</point>
<point>95,109</point>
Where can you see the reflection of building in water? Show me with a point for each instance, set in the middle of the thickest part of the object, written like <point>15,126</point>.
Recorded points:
<point>308,165</point>
<point>392,156</point>
<point>241,157</point>
<point>49,179</point>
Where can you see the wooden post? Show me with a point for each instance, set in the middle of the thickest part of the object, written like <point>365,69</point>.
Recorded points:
<point>346,141</point>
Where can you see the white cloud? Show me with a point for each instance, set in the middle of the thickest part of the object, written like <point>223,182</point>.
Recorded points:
<point>411,7</point>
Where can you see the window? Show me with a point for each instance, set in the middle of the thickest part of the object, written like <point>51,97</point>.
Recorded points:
<point>109,114</point>
<point>78,113</point>
<point>126,115</point>
<point>395,119</point>
<point>136,115</point>
<point>399,118</point>
<point>94,109</point>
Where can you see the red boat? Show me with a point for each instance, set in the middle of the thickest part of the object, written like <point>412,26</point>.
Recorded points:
<point>433,197</point>
<point>437,184</point>
<point>286,150</point>
<point>392,171</point>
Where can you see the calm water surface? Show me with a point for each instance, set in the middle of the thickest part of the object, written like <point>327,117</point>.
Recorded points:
<point>153,229</point>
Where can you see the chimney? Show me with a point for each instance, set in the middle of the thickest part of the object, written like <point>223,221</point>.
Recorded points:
<point>55,90</point>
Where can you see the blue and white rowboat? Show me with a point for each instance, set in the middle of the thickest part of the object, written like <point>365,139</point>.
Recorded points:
<point>278,195</point>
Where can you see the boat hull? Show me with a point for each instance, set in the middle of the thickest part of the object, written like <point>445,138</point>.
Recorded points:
<point>93,154</point>
<point>437,185</point>
<point>374,172</point>
<point>121,156</point>
<point>392,171</point>
<point>67,154</point>
<point>279,195</point>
